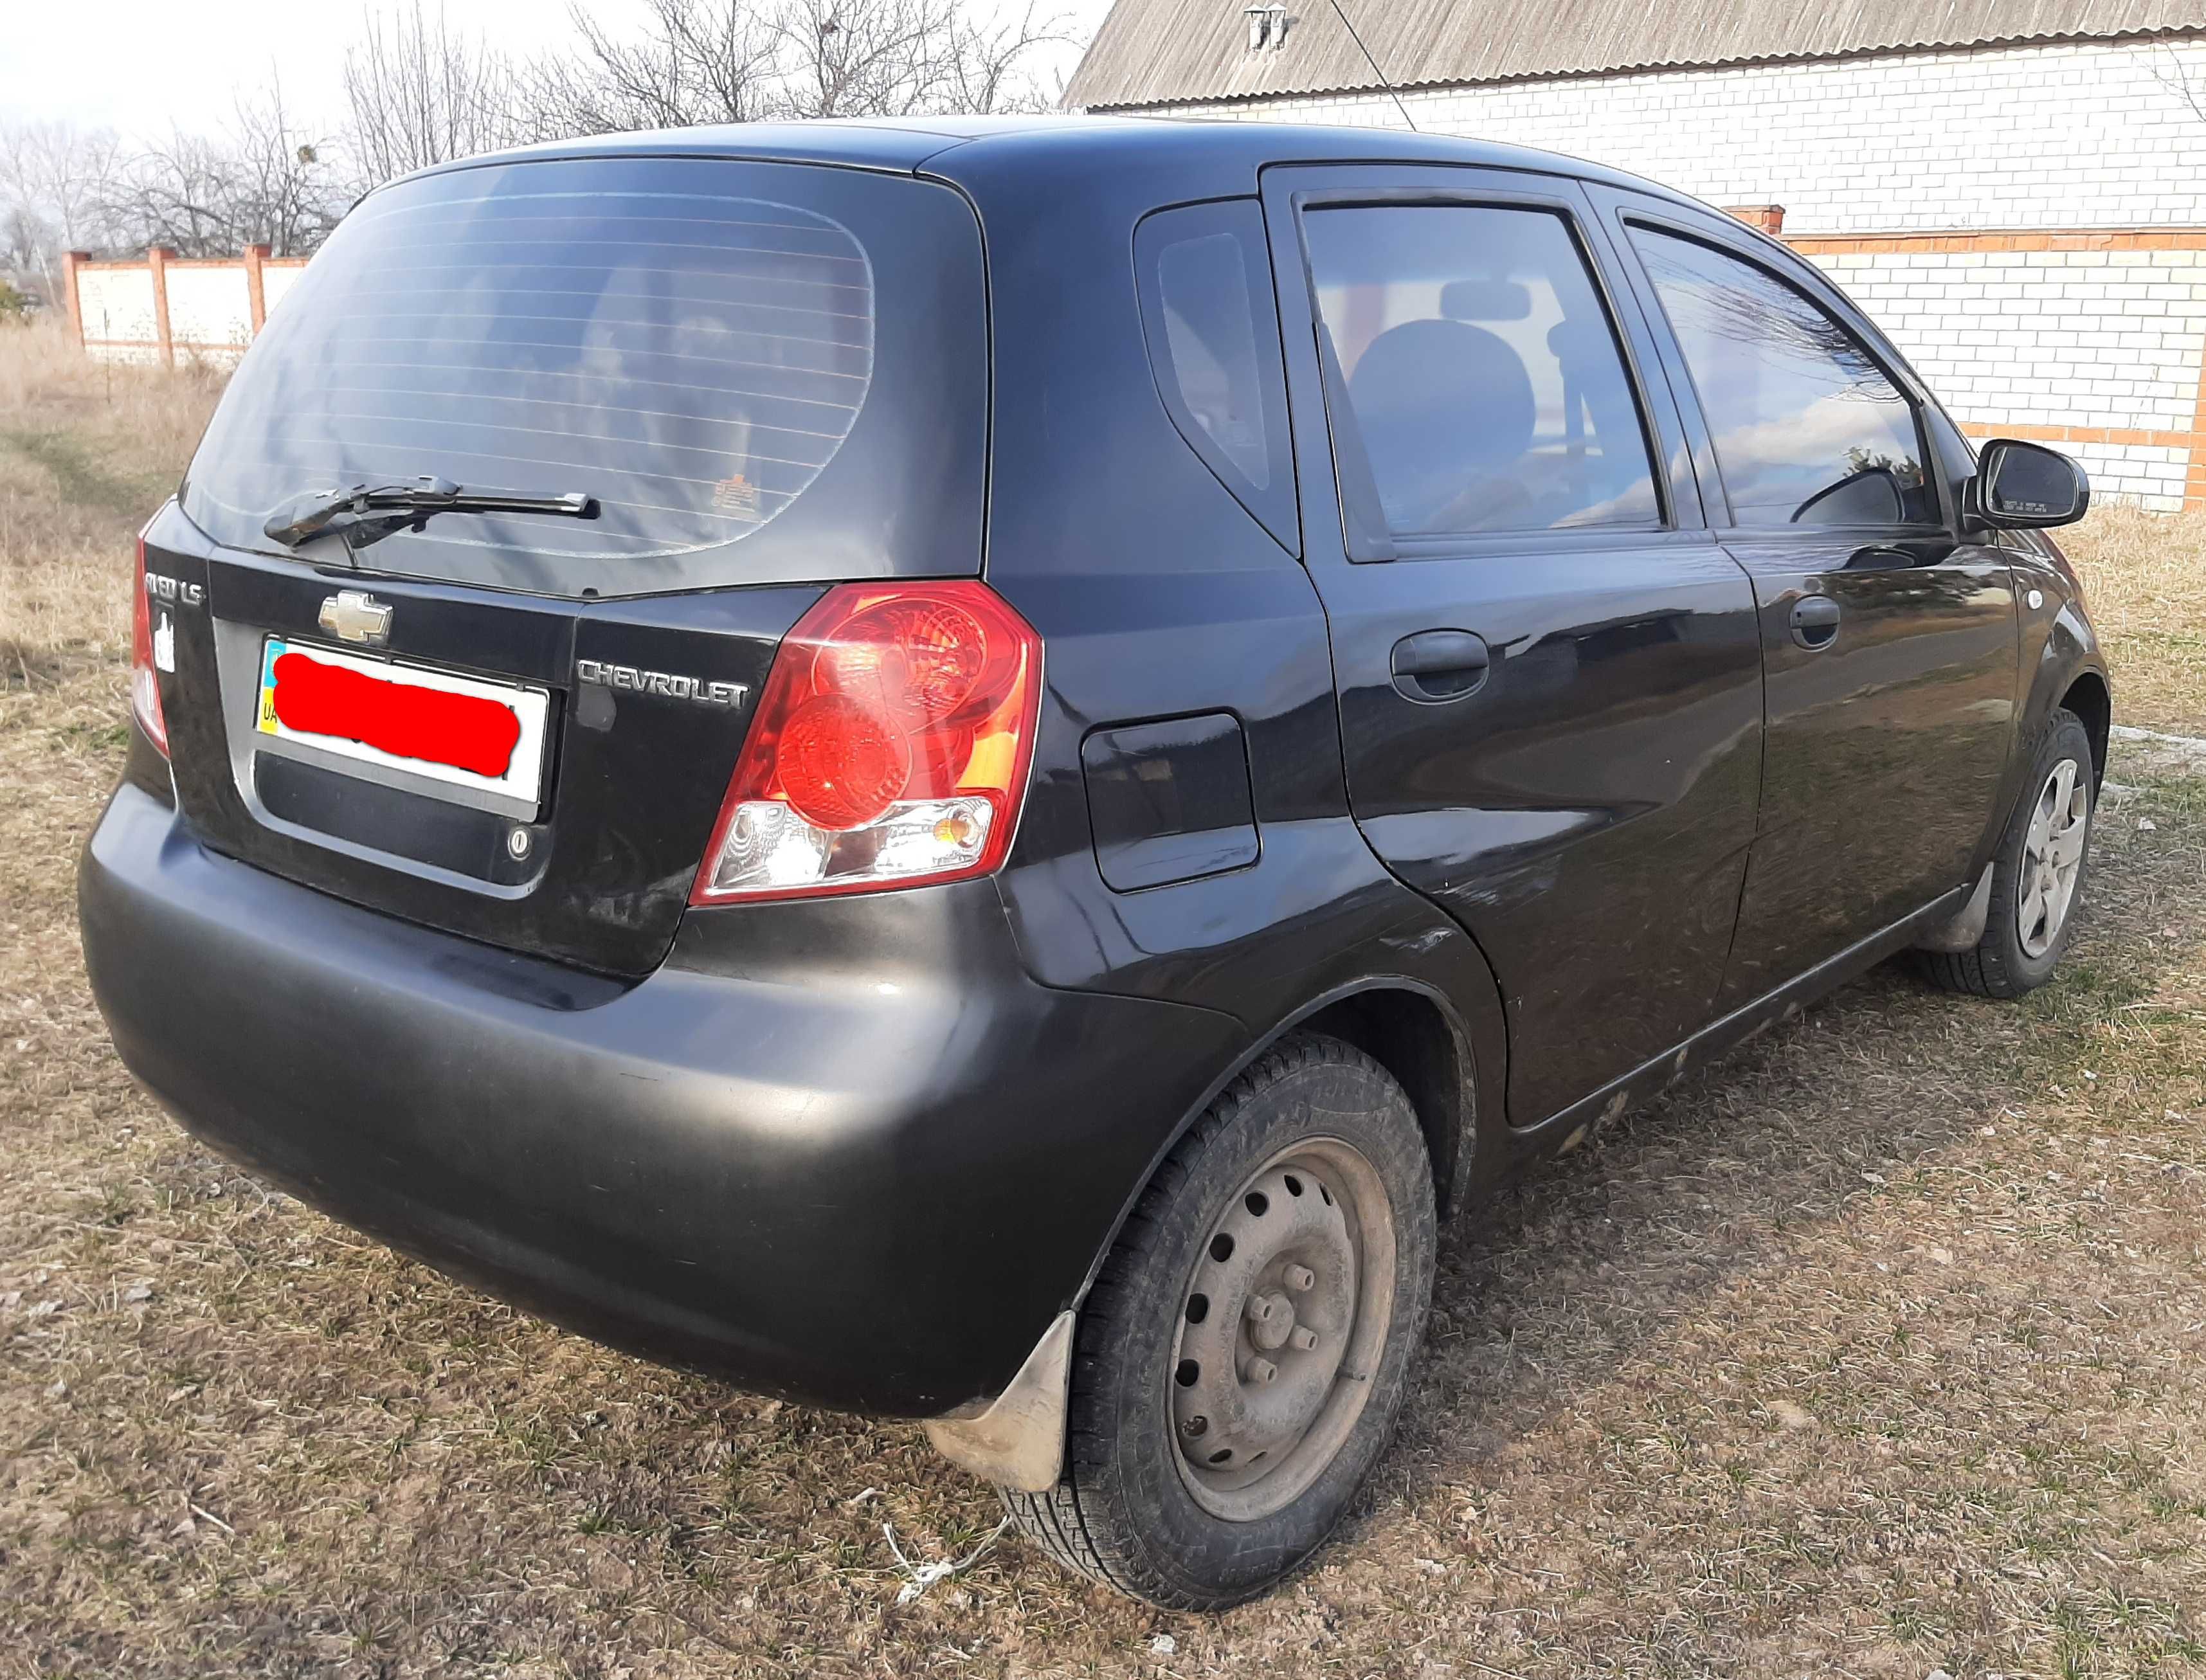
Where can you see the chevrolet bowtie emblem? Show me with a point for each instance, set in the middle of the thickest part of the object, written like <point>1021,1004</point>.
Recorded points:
<point>352,615</point>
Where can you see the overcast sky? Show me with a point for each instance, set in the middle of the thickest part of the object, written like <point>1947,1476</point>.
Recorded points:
<point>141,66</point>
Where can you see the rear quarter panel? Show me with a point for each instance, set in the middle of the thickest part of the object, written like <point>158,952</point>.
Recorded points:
<point>1158,596</point>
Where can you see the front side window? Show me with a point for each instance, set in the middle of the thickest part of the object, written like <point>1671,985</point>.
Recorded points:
<point>1482,369</point>
<point>1808,429</point>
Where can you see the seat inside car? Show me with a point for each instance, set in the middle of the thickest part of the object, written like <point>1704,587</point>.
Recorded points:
<point>1450,407</point>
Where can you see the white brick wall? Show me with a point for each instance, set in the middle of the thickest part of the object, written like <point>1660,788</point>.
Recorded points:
<point>118,303</point>
<point>276,280</point>
<point>2110,339</point>
<point>210,308</point>
<point>2025,137</point>
<point>2152,477</point>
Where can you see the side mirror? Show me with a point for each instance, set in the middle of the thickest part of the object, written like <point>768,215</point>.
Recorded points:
<point>2022,486</point>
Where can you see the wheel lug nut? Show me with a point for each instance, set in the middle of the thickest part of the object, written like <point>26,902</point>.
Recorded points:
<point>1260,1309</point>
<point>1262,1371</point>
<point>1301,1278</point>
<point>1304,1337</point>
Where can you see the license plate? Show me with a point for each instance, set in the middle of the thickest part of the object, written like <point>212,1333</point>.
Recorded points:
<point>462,730</point>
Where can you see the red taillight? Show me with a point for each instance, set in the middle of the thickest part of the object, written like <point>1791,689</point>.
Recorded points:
<point>918,660</point>
<point>843,765</point>
<point>144,676</point>
<point>891,747</point>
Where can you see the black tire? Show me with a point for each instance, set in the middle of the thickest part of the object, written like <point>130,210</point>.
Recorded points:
<point>2001,965</point>
<point>1124,1510</point>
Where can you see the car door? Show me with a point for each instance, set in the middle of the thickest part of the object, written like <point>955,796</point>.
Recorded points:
<point>1549,670</point>
<point>1890,644</point>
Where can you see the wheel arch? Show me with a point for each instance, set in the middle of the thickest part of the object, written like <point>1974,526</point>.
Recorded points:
<point>2065,669</point>
<point>2087,696</point>
<point>1411,1027</point>
<point>1406,1029</point>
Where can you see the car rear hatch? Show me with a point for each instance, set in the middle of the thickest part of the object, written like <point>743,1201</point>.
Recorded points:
<point>764,378</point>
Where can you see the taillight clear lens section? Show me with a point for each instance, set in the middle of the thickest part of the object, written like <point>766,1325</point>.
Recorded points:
<point>891,747</point>
<point>144,678</point>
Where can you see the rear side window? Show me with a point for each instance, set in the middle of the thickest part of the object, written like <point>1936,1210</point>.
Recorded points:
<point>761,372</point>
<point>1808,429</point>
<point>1481,368</point>
<point>1214,339</point>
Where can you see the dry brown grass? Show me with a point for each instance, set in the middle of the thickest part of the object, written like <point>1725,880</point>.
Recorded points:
<point>1877,1350</point>
<point>2144,581</point>
<point>1880,1349</point>
<point>86,452</point>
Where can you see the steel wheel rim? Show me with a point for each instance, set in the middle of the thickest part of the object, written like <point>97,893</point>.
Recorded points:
<point>2052,858</point>
<point>1283,1324</point>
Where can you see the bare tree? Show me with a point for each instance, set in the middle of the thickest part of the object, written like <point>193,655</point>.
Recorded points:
<point>743,61</point>
<point>987,71</point>
<point>263,181</point>
<point>287,192</point>
<point>879,59</point>
<point>172,193</point>
<point>696,60</point>
<point>420,93</point>
<point>57,190</point>
<point>23,241</point>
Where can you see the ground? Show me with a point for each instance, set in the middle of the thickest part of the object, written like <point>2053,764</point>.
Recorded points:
<point>1879,1350</point>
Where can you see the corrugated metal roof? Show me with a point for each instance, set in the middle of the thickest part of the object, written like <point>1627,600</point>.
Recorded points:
<point>1151,52</point>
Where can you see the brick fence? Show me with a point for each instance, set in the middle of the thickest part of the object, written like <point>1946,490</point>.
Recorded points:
<point>167,306</point>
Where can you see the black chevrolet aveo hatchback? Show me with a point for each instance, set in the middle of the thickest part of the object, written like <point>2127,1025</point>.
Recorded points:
<point>971,771</point>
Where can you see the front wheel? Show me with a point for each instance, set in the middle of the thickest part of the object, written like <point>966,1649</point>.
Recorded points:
<point>1241,1358</point>
<point>2036,876</point>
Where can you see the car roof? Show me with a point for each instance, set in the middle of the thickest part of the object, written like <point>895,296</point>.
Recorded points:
<point>1184,158</point>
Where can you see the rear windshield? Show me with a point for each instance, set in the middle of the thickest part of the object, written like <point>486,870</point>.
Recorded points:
<point>763,372</point>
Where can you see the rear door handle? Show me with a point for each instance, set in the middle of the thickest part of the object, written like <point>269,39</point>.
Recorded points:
<point>1815,622</point>
<point>1437,665</point>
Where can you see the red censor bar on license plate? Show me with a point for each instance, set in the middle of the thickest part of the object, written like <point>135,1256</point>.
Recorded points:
<point>452,729</point>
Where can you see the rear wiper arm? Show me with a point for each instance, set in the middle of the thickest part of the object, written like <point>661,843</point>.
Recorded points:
<point>368,512</point>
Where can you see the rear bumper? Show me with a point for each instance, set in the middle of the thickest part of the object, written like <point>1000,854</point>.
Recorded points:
<point>846,1151</point>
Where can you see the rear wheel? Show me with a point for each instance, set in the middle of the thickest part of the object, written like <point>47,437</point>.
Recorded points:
<point>1244,1353</point>
<point>2036,876</point>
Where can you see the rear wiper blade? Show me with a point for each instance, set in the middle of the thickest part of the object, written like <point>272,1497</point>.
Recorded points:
<point>368,512</point>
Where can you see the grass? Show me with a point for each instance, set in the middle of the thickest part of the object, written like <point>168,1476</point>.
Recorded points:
<point>2141,575</point>
<point>1880,1349</point>
<point>87,453</point>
